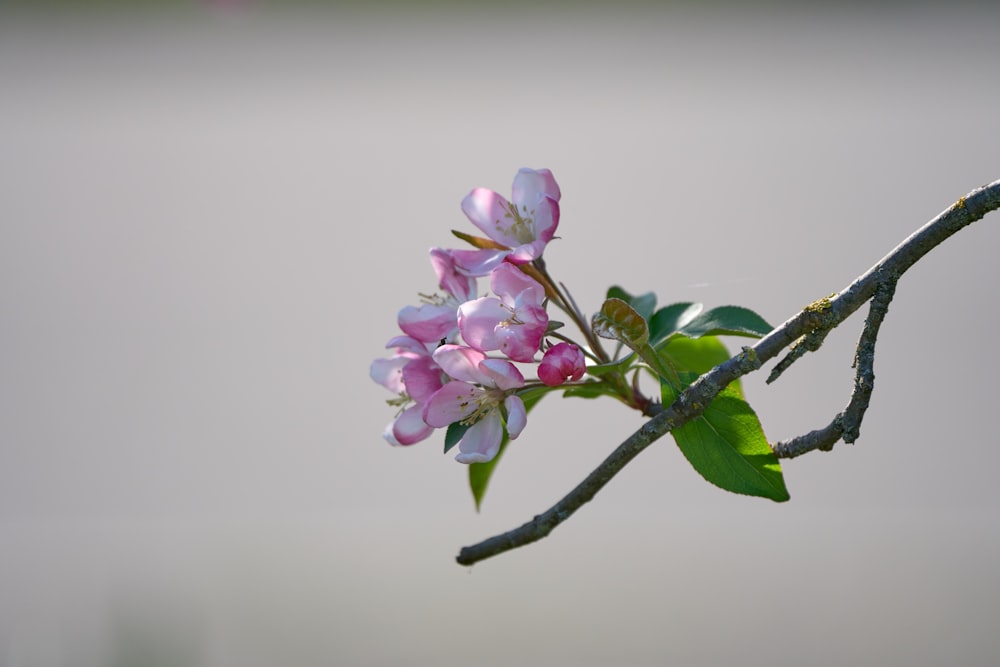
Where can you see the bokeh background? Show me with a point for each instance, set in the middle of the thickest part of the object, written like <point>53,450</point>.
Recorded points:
<point>211,213</point>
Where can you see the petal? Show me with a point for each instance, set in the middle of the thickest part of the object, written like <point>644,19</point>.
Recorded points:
<point>521,338</point>
<point>503,222</point>
<point>409,427</point>
<point>509,282</point>
<point>460,362</point>
<point>482,441</point>
<point>530,185</point>
<point>478,321</point>
<point>428,323</point>
<point>489,212</point>
<point>478,262</point>
<point>408,346</point>
<point>520,343</point>
<point>546,219</point>
<point>517,415</point>
<point>451,403</point>
<point>528,252</point>
<point>550,373</point>
<point>421,378</point>
<point>501,374</point>
<point>390,436</point>
<point>389,373</point>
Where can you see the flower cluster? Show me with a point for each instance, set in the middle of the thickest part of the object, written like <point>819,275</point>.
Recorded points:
<point>442,372</point>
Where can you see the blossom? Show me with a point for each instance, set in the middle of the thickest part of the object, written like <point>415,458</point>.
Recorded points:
<point>413,376</point>
<point>479,387</point>
<point>561,362</point>
<point>513,322</point>
<point>520,228</point>
<point>437,318</point>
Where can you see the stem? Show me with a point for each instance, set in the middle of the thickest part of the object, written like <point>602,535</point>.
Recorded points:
<point>568,306</point>
<point>565,302</point>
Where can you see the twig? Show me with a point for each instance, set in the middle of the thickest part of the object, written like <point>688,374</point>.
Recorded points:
<point>824,314</point>
<point>847,424</point>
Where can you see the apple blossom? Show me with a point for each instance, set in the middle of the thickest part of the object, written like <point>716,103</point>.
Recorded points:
<point>474,397</point>
<point>513,322</point>
<point>521,228</point>
<point>413,376</point>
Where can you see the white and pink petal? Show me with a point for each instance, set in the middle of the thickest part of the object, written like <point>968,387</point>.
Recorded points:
<point>478,321</point>
<point>408,428</point>
<point>532,184</point>
<point>481,441</point>
<point>501,374</point>
<point>511,284</point>
<point>460,362</point>
<point>429,322</point>
<point>421,378</point>
<point>517,415</point>
<point>488,211</point>
<point>389,373</point>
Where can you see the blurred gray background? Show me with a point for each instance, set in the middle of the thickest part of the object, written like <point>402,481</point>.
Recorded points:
<point>211,214</point>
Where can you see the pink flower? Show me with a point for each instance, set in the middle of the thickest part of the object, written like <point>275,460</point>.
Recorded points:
<point>562,362</point>
<point>437,318</point>
<point>475,396</point>
<point>513,322</point>
<point>522,226</point>
<point>413,376</point>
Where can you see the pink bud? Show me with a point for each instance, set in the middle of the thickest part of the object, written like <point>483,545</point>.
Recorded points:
<point>562,362</point>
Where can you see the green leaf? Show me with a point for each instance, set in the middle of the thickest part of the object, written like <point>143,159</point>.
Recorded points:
<point>697,356</point>
<point>726,445</point>
<point>591,389</point>
<point>480,473</point>
<point>727,320</point>
<point>669,319</point>
<point>644,304</point>
<point>454,434</point>
<point>617,292</point>
<point>619,321</point>
<point>620,365</point>
<point>532,395</point>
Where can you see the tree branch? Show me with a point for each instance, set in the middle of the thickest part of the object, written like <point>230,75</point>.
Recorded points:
<point>847,424</point>
<point>806,331</point>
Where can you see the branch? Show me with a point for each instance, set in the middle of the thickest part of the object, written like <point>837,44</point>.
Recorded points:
<point>805,330</point>
<point>847,424</point>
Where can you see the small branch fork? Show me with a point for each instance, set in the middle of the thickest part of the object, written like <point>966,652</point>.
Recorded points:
<point>803,332</point>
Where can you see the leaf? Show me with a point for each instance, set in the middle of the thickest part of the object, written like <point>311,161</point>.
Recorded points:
<point>669,319</point>
<point>480,473</point>
<point>479,241</point>
<point>454,434</point>
<point>620,365</point>
<point>726,445</point>
<point>727,320</point>
<point>697,356</point>
<point>554,325</point>
<point>644,304</point>
<point>619,321</point>
<point>591,389</point>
